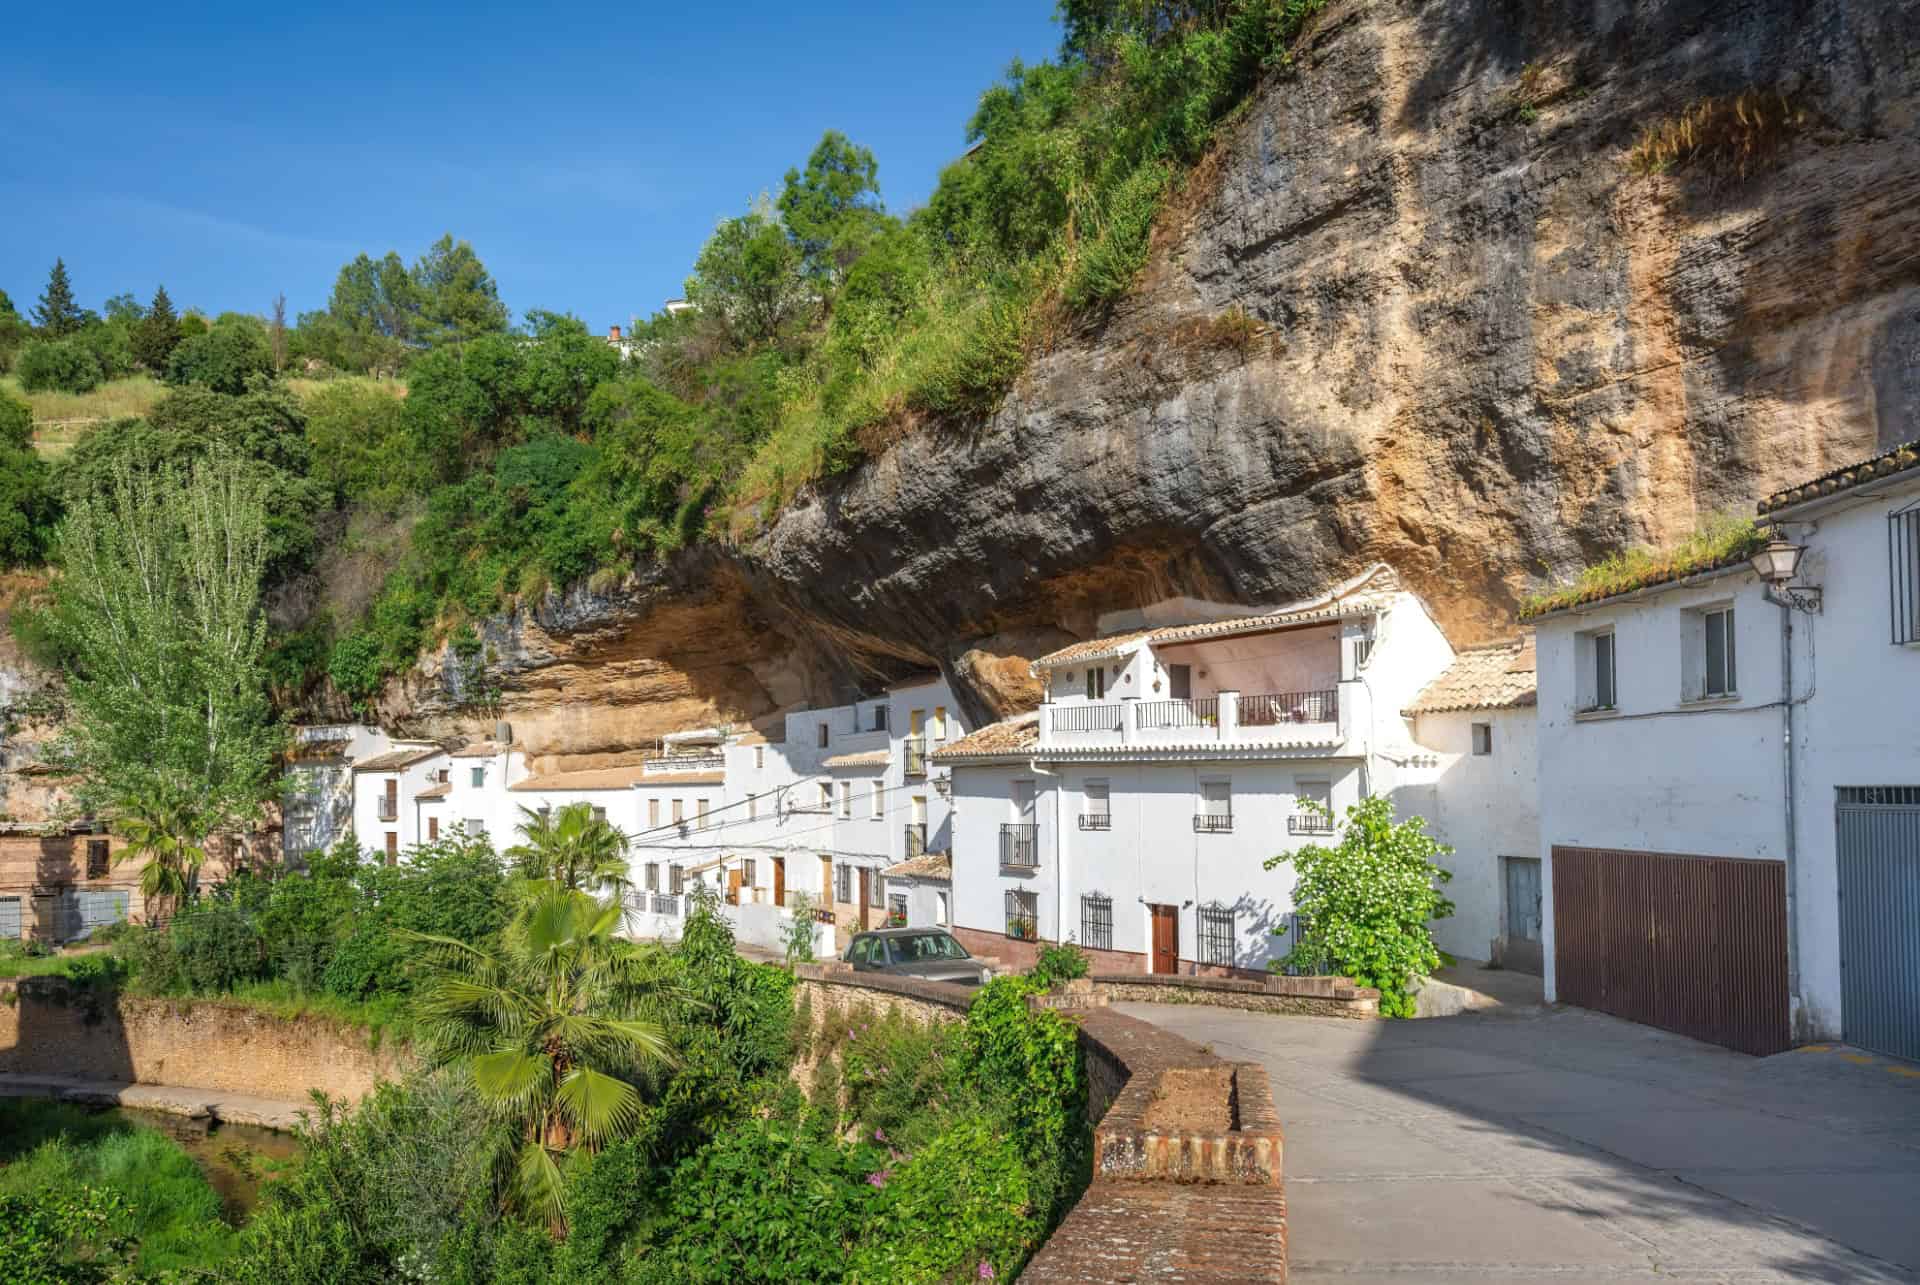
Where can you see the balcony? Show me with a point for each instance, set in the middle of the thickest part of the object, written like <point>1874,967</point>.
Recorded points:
<point>688,761</point>
<point>1227,716</point>
<point>1096,820</point>
<point>914,750</point>
<point>1309,823</point>
<point>389,810</point>
<point>1213,823</point>
<point>916,841</point>
<point>1019,845</point>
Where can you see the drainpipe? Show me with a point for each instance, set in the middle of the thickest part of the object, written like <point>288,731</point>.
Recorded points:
<point>1786,755</point>
<point>1059,854</point>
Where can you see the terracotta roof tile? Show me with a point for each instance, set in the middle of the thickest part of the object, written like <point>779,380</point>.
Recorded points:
<point>439,791</point>
<point>1898,460</point>
<point>868,758</point>
<point>1496,676</point>
<point>394,760</point>
<point>599,778</point>
<point>935,865</point>
<point>1010,736</point>
<point>681,778</point>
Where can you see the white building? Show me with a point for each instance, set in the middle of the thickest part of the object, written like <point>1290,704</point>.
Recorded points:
<point>1481,796</point>
<point>1134,811</point>
<point>316,790</point>
<point>1730,783</point>
<point>397,797</point>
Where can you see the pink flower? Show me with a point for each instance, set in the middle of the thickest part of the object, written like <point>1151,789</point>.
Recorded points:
<point>879,1135</point>
<point>878,1178</point>
<point>986,1270</point>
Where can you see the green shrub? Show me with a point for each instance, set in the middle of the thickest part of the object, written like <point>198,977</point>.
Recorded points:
<point>57,366</point>
<point>226,359</point>
<point>1062,963</point>
<point>215,947</point>
<point>1367,902</point>
<point>64,1236</point>
<point>16,421</point>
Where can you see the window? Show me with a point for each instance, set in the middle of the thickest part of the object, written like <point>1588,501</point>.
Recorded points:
<point>1023,914</point>
<point>1710,654</point>
<point>1903,572</point>
<point>476,828</point>
<point>1362,650</point>
<point>393,847</point>
<point>1096,683</point>
<point>1096,921</point>
<point>825,736</point>
<point>477,776</point>
<point>759,756</point>
<point>700,809</point>
<point>653,813</point>
<point>1311,820</point>
<point>1096,813</point>
<point>1598,689</point>
<point>1216,935</point>
<point>97,861</point>
<point>653,876</point>
<point>846,798</point>
<point>876,894</point>
<point>879,799</point>
<point>433,829</point>
<point>879,718</point>
<point>1216,808</point>
<point>746,871</point>
<point>826,797</point>
<point>676,880</point>
<point>679,811</point>
<point>843,882</point>
<point>938,729</point>
<point>897,910</point>
<point>1483,738</point>
<point>600,814</point>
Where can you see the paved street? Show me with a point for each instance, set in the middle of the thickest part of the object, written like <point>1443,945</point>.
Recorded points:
<point>1568,1146</point>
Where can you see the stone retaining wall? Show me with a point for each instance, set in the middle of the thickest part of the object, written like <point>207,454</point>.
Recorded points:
<point>1187,1181</point>
<point>1296,996</point>
<point>50,1027</point>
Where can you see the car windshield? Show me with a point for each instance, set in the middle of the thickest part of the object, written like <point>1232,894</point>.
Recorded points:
<point>924,946</point>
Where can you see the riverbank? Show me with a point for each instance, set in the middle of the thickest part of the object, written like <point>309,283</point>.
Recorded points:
<point>211,1105</point>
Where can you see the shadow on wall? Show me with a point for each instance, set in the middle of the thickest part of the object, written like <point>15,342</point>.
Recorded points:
<point>1495,1145</point>
<point>54,1026</point>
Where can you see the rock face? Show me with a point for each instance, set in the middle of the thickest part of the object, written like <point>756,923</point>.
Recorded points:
<point>1418,309</point>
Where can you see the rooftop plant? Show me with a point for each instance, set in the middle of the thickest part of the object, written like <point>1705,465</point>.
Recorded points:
<point>1717,542</point>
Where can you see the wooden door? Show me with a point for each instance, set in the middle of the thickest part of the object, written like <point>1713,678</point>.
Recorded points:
<point>1180,682</point>
<point>390,809</point>
<point>779,881</point>
<point>1166,939</point>
<point>866,896</point>
<point>733,887</point>
<point>826,882</point>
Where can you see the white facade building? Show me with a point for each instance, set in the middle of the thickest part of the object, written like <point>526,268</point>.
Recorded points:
<point>396,797</point>
<point>1665,720</point>
<point>316,790</point>
<point>1134,811</point>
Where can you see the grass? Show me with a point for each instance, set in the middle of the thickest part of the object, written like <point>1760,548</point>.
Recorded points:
<point>175,1214</point>
<point>385,1018</point>
<point>16,965</point>
<point>1717,542</point>
<point>305,388</point>
<point>1728,137</point>
<point>116,399</point>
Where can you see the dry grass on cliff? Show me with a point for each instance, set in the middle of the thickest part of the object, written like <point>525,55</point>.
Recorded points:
<point>1717,542</point>
<point>1729,138</point>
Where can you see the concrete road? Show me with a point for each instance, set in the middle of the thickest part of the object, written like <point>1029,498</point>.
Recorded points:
<point>1567,1146</point>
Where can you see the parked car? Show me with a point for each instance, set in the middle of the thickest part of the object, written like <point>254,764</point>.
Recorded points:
<point>930,954</point>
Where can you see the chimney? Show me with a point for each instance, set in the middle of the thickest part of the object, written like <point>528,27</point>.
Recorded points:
<point>613,334</point>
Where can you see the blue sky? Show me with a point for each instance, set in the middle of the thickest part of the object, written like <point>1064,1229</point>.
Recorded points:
<point>238,151</point>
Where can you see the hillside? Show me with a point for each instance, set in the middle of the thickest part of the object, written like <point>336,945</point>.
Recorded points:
<point>1448,295</point>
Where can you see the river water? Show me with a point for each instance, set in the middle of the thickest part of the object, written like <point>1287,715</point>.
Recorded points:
<point>236,1158</point>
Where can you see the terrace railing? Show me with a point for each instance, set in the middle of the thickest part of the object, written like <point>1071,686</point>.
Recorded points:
<point>1179,713</point>
<point>1309,823</point>
<point>1086,718</point>
<point>1213,823</point>
<point>1290,707</point>
<point>1020,845</point>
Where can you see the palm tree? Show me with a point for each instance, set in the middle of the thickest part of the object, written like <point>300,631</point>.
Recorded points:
<point>169,832</point>
<point>572,848</point>
<point>549,1024</point>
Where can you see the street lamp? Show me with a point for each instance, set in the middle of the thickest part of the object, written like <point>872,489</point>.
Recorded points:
<point>1775,563</point>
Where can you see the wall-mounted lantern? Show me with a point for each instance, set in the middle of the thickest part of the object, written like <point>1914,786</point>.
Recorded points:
<point>1776,563</point>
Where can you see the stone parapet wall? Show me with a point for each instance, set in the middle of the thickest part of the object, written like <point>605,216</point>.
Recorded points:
<point>1188,1150</point>
<point>50,1027</point>
<point>1293,996</point>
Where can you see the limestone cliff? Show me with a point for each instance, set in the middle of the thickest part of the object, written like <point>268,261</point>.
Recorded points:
<point>1418,309</point>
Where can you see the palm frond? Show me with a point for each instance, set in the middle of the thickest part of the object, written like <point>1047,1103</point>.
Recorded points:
<point>540,1183</point>
<point>600,1106</point>
<point>512,1078</point>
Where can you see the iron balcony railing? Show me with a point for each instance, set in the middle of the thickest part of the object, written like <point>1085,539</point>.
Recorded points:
<point>1213,822</point>
<point>1096,820</point>
<point>1019,844</point>
<point>915,750</point>
<point>917,840</point>
<point>1179,713</point>
<point>686,761</point>
<point>389,811</point>
<point>666,904</point>
<point>1086,718</point>
<point>1290,707</point>
<point>1309,823</point>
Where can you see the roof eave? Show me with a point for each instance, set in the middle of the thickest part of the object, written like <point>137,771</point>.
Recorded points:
<point>1644,591</point>
<point>1862,490</point>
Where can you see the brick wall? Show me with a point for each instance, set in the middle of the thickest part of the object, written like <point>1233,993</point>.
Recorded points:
<point>48,1027</point>
<point>1270,993</point>
<point>1187,1147</point>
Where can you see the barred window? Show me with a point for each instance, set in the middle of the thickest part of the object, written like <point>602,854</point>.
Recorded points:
<point>96,858</point>
<point>676,880</point>
<point>600,814</point>
<point>1023,914</point>
<point>1903,568</point>
<point>746,871</point>
<point>759,756</point>
<point>876,894</point>
<point>1096,921</point>
<point>1217,939</point>
<point>653,876</point>
<point>843,882</point>
<point>897,911</point>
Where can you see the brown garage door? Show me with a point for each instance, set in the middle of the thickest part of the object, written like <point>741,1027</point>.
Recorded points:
<point>1696,945</point>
